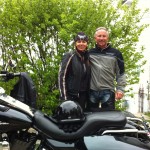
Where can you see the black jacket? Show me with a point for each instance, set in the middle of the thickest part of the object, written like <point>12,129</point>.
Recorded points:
<point>74,74</point>
<point>24,90</point>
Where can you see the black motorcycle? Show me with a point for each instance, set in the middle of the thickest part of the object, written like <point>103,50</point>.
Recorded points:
<point>22,127</point>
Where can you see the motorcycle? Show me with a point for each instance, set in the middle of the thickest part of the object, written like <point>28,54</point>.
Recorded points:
<point>26,128</point>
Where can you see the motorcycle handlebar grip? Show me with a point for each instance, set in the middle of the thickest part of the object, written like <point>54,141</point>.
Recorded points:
<point>17,74</point>
<point>2,75</point>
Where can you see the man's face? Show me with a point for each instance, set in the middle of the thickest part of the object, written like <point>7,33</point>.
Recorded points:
<point>101,38</point>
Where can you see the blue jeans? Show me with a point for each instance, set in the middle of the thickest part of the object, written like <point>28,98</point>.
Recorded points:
<point>105,97</point>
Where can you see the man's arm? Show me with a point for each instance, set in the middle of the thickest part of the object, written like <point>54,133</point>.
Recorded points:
<point>120,78</point>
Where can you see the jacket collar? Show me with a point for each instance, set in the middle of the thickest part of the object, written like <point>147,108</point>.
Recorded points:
<point>102,49</point>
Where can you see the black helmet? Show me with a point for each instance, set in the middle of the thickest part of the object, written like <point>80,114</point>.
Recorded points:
<point>68,111</point>
<point>81,36</point>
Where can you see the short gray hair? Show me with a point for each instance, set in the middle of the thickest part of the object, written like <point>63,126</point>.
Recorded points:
<point>101,28</point>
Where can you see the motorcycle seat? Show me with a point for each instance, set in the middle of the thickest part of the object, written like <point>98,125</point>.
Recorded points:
<point>92,124</point>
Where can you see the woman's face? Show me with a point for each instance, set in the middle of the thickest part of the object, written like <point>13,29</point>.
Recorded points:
<point>81,45</point>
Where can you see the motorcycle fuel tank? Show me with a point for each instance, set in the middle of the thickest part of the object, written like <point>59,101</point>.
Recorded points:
<point>11,119</point>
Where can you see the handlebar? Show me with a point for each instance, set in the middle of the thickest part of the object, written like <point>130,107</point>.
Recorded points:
<point>7,75</point>
<point>13,74</point>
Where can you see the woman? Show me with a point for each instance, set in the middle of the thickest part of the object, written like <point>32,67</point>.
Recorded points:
<point>74,74</point>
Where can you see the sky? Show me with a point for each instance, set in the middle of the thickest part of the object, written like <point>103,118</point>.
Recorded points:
<point>144,40</point>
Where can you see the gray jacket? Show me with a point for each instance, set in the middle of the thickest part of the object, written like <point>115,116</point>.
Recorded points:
<point>107,66</point>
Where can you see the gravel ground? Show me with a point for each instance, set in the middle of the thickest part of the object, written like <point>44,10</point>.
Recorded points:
<point>139,115</point>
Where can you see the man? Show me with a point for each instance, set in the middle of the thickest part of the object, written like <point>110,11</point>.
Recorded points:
<point>107,66</point>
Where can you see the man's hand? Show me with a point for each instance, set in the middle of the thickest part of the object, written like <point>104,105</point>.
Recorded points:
<point>118,95</point>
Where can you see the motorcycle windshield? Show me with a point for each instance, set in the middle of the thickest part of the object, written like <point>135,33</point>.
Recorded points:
<point>13,103</point>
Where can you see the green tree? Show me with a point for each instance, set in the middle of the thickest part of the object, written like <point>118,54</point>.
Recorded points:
<point>36,33</point>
